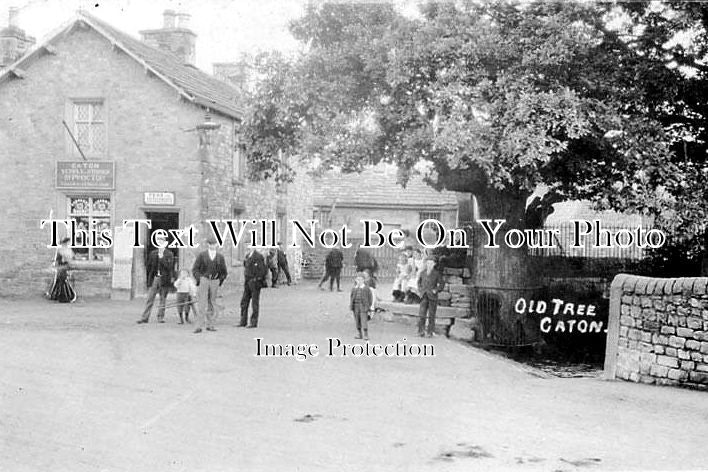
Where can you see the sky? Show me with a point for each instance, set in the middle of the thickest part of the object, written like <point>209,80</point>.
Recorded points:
<point>224,28</point>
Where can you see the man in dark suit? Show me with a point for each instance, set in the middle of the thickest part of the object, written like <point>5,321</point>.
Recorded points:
<point>209,270</point>
<point>254,273</point>
<point>333,268</point>
<point>160,276</point>
<point>430,283</point>
<point>283,263</point>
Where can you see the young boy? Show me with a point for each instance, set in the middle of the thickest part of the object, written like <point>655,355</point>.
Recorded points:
<point>360,302</point>
<point>186,294</point>
<point>370,281</point>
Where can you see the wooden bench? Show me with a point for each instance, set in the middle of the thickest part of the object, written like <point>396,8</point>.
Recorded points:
<point>444,316</point>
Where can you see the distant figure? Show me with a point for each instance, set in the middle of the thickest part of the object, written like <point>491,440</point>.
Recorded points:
<point>333,269</point>
<point>254,272</point>
<point>61,290</point>
<point>272,263</point>
<point>186,295</point>
<point>283,264</point>
<point>363,260</point>
<point>430,283</point>
<point>359,303</point>
<point>160,275</point>
<point>210,271</point>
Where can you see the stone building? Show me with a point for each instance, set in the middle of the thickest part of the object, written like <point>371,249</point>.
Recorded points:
<point>99,127</point>
<point>374,194</point>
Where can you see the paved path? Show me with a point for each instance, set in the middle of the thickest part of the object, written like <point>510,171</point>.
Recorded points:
<point>83,388</point>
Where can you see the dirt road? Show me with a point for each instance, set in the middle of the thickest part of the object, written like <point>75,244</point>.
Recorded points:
<point>86,389</point>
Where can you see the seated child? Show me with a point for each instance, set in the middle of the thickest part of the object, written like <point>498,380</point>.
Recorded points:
<point>417,267</point>
<point>402,274</point>
<point>360,302</point>
<point>186,295</point>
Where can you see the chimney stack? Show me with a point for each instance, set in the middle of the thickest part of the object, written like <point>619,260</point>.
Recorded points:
<point>12,17</point>
<point>169,17</point>
<point>14,43</point>
<point>183,20</point>
<point>174,36</point>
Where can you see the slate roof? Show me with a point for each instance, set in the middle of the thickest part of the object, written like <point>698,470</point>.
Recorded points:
<point>377,188</point>
<point>193,84</point>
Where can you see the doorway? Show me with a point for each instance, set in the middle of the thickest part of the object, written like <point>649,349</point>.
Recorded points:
<point>165,221</point>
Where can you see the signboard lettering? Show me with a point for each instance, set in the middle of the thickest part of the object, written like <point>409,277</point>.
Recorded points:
<point>85,175</point>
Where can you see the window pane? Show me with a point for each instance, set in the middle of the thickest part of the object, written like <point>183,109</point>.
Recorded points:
<point>79,206</point>
<point>81,112</point>
<point>82,136</point>
<point>97,111</point>
<point>97,138</point>
<point>101,206</point>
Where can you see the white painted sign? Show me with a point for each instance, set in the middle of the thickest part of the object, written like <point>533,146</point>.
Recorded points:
<point>159,198</point>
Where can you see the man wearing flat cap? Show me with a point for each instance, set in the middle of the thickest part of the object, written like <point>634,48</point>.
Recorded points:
<point>430,283</point>
<point>209,271</point>
<point>160,276</point>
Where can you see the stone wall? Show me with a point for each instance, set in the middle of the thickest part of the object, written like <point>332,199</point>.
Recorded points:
<point>457,291</point>
<point>658,331</point>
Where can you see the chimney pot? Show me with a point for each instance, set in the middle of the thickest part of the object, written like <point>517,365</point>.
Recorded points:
<point>169,18</point>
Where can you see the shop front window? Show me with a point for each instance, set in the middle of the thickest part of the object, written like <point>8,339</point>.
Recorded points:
<point>90,213</point>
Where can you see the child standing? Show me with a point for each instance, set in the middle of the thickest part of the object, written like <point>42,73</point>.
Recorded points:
<point>186,294</point>
<point>360,302</point>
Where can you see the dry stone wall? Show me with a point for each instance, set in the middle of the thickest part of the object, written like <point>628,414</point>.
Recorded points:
<point>658,331</point>
<point>457,291</point>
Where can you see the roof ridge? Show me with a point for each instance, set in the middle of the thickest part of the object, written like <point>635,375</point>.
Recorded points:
<point>195,85</point>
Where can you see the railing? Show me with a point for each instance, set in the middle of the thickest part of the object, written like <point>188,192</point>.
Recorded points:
<point>562,238</point>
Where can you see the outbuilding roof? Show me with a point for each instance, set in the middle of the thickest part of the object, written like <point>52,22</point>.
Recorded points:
<point>191,83</point>
<point>378,188</point>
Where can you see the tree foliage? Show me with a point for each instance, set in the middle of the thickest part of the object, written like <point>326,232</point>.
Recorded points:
<point>592,100</point>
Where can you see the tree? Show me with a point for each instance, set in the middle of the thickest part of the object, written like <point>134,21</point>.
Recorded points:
<point>495,98</point>
<point>675,36</point>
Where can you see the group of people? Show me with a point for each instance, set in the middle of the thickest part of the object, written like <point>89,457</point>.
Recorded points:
<point>411,264</point>
<point>198,291</point>
<point>417,281</point>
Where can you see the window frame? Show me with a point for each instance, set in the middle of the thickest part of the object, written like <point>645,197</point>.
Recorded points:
<point>71,115</point>
<point>238,164</point>
<point>238,253</point>
<point>91,216</point>
<point>430,215</point>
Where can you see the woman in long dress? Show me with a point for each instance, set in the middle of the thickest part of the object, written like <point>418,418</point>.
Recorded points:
<point>61,290</point>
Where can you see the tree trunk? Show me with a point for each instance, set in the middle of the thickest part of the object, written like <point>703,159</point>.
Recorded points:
<point>503,266</point>
<point>502,275</point>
